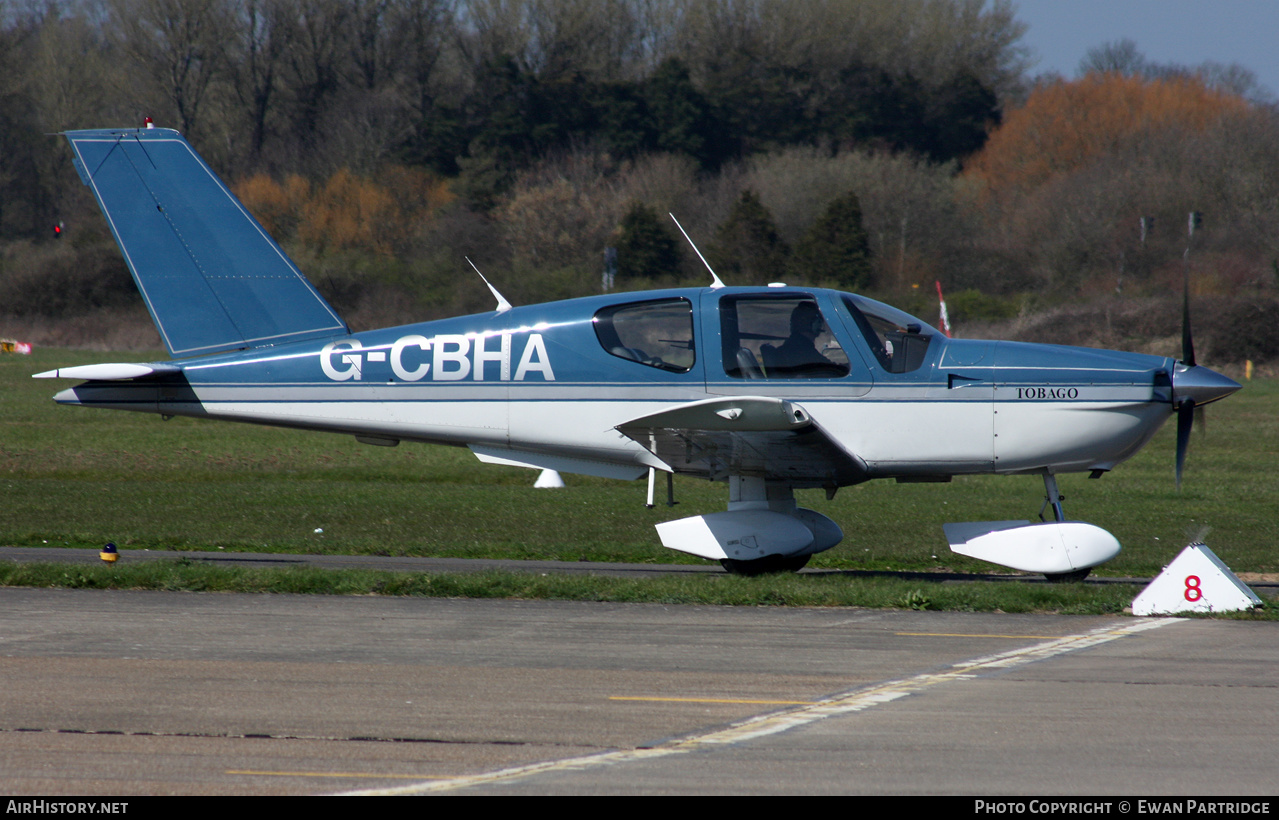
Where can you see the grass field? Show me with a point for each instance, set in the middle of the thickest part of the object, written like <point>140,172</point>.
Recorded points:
<point>78,478</point>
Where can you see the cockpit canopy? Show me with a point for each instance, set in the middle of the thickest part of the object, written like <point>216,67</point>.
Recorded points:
<point>790,334</point>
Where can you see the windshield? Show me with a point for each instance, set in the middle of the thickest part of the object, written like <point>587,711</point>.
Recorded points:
<point>888,315</point>
<point>898,340</point>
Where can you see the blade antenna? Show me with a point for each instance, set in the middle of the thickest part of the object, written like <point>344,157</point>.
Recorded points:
<point>715,280</point>
<point>502,304</point>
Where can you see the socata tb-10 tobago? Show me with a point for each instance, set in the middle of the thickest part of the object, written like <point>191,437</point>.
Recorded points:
<point>767,388</point>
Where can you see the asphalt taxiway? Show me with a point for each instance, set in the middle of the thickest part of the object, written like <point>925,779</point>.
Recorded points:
<point>133,693</point>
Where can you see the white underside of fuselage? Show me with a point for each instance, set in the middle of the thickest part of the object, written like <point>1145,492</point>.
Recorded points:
<point>892,437</point>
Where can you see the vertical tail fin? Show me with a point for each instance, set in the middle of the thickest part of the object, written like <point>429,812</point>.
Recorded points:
<point>212,278</point>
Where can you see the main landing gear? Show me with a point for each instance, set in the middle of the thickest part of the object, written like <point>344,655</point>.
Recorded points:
<point>763,531</point>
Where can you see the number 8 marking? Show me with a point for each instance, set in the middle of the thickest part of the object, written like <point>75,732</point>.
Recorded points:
<point>1193,593</point>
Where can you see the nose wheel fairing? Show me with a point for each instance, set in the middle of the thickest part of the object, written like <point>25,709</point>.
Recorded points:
<point>1055,548</point>
<point>1051,548</point>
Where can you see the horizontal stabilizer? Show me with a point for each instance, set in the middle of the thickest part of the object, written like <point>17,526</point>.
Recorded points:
<point>114,372</point>
<point>212,278</point>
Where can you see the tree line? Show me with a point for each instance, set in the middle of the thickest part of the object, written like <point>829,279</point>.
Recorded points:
<point>483,88</point>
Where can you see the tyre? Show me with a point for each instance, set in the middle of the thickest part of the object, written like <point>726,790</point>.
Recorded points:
<point>766,565</point>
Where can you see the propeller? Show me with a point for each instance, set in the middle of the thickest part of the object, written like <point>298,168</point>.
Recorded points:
<point>1185,421</point>
<point>1193,386</point>
<point>1186,407</point>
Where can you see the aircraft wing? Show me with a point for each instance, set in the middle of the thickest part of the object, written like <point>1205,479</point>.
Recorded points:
<point>746,435</point>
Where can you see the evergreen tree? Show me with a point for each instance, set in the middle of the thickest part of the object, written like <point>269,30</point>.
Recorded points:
<point>835,248</point>
<point>622,117</point>
<point>748,249</point>
<point>645,249</point>
<point>957,118</point>
<point>680,117</point>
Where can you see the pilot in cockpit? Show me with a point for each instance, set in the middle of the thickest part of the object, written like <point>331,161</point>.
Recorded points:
<point>799,352</point>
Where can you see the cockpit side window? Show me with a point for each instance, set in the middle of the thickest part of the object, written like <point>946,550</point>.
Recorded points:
<point>658,334</point>
<point>898,340</point>
<point>779,337</point>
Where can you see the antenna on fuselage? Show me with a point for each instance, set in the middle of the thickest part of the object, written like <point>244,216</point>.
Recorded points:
<point>502,304</point>
<point>715,281</point>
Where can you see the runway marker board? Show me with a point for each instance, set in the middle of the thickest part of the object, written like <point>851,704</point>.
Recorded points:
<point>1195,581</point>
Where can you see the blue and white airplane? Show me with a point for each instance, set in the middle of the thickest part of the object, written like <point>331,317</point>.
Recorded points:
<point>766,388</point>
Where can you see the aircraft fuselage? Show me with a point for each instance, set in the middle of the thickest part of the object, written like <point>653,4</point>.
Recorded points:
<point>540,379</point>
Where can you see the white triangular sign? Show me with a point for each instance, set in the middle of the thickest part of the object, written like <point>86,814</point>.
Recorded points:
<point>1195,581</point>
